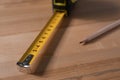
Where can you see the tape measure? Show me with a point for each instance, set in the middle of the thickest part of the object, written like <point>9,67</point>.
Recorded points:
<point>29,57</point>
<point>38,44</point>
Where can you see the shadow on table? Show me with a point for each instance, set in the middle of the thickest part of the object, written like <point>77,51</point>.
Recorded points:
<point>96,10</point>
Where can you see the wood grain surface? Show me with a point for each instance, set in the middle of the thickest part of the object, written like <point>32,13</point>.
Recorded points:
<point>22,20</point>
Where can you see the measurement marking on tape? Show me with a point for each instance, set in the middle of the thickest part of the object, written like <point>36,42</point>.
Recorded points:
<point>38,44</point>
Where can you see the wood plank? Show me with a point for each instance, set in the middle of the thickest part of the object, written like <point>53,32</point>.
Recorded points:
<point>22,20</point>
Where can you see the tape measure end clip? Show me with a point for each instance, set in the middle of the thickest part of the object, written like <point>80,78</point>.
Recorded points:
<point>22,65</point>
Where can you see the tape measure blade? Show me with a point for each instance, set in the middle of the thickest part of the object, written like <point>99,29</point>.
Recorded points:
<point>42,38</point>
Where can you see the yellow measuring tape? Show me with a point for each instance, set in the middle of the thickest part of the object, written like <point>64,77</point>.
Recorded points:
<point>38,44</point>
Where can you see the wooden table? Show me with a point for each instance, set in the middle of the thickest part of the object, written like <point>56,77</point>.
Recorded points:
<point>22,20</point>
